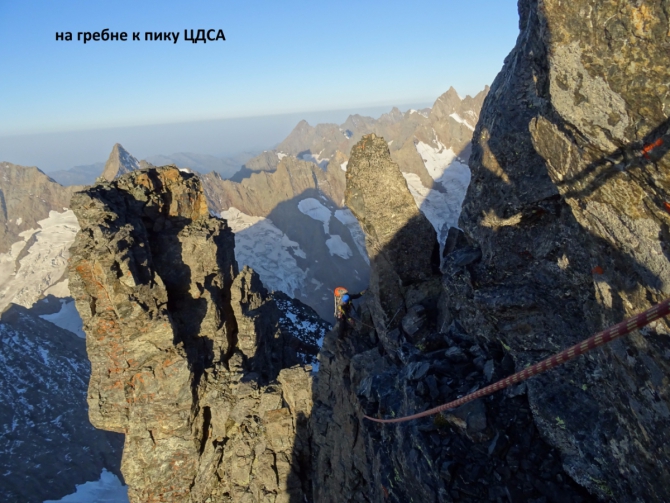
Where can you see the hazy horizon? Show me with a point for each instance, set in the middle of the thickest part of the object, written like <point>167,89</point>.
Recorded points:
<point>220,138</point>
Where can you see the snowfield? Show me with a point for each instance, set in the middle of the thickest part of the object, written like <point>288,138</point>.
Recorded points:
<point>106,490</point>
<point>267,250</point>
<point>338,247</point>
<point>314,209</point>
<point>347,218</point>
<point>37,263</point>
<point>441,205</point>
<point>67,318</point>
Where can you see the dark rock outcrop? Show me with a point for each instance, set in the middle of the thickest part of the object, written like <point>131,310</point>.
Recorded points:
<point>189,359</point>
<point>489,450</point>
<point>568,210</point>
<point>565,232</point>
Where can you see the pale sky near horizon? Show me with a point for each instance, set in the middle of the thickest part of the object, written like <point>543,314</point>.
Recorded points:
<point>278,58</point>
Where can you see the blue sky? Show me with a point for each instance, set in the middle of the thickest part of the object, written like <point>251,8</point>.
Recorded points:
<point>279,57</point>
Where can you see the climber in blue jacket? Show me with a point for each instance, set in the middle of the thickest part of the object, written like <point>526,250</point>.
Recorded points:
<point>343,305</point>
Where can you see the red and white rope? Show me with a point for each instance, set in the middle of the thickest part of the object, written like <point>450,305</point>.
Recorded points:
<point>624,328</point>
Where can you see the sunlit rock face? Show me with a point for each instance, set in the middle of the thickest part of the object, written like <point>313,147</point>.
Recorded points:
<point>197,365</point>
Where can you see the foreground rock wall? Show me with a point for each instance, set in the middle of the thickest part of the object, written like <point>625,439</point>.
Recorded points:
<point>191,361</point>
<point>489,450</point>
<point>571,215</point>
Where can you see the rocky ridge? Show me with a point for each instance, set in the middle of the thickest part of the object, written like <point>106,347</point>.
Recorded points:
<point>564,229</point>
<point>308,169</point>
<point>396,362</point>
<point>448,124</point>
<point>565,232</point>
<point>192,360</point>
<point>569,212</point>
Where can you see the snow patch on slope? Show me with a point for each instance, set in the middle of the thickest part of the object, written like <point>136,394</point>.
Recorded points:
<point>347,218</point>
<point>441,207</point>
<point>39,261</point>
<point>267,250</point>
<point>314,209</point>
<point>322,162</point>
<point>338,247</point>
<point>106,490</point>
<point>67,318</point>
<point>445,167</point>
<point>303,324</point>
<point>460,120</point>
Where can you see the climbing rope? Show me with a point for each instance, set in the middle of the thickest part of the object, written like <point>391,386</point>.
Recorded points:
<point>619,330</point>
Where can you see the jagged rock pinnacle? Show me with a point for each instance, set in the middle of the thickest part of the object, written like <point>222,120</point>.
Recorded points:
<point>401,242</point>
<point>119,163</point>
<point>192,366</point>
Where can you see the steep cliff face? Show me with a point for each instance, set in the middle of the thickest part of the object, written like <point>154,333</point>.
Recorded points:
<point>401,242</point>
<point>397,362</point>
<point>189,359</point>
<point>569,206</point>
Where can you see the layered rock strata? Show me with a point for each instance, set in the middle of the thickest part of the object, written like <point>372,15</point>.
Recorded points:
<point>189,359</point>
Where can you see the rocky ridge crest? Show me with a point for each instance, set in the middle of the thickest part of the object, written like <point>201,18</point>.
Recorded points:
<point>27,195</point>
<point>190,360</point>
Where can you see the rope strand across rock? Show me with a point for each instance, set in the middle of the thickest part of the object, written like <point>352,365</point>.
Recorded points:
<point>624,328</point>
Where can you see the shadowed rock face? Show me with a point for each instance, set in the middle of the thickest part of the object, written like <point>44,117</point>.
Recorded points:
<point>566,230</point>
<point>189,362</point>
<point>489,450</point>
<point>401,242</point>
<point>570,215</point>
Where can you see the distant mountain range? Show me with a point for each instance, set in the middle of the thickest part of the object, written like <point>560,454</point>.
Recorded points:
<point>286,207</point>
<point>226,167</point>
<point>286,204</point>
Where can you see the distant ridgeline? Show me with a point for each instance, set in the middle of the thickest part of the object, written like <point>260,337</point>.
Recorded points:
<point>563,231</point>
<point>286,208</point>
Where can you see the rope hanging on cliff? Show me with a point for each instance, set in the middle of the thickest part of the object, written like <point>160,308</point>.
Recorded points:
<point>614,332</point>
